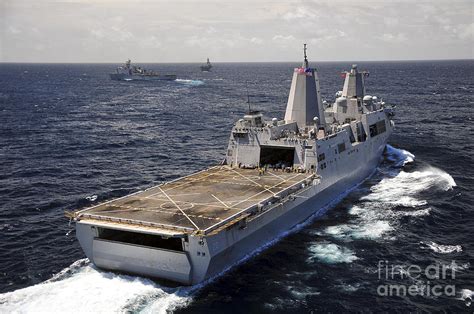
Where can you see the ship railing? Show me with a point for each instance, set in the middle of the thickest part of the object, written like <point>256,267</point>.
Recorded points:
<point>288,197</point>
<point>135,222</point>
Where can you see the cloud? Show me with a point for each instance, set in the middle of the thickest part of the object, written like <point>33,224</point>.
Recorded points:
<point>466,32</point>
<point>13,30</point>
<point>299,13</point>
<point>394,38</point>
<point>256,40</point>
<point>282,38</point>
<point>240,30</point>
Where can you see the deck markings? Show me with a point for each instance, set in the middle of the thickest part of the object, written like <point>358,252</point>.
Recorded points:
<point>264,190</point>
<point>207,199</point>
<point>178,185</point>
<point>258,184</point>
<point>171,200</point>
<point>227,207</point>
<point>130,208</point>
<point>281,178</point>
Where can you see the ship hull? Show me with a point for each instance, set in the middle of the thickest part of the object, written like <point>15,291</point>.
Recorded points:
<point>207,256</point>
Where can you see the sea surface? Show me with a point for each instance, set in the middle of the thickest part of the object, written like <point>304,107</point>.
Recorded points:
<point>70,137</point>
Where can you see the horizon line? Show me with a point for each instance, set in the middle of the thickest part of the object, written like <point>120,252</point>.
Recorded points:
<point>198,62</point>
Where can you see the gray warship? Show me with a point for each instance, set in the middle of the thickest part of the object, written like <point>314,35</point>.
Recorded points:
<point>206,67</point>
<point>276,174</point>
<point>129,72</point>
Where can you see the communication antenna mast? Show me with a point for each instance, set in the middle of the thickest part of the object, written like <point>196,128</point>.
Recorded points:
<point>305,57</point>
<point>248,96</point>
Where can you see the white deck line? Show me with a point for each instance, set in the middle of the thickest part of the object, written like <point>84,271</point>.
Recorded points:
<point>172,201</point>
<point>224,221</point>
<point>141,191</point>
<point>258,184</point>
<point>129,208</point>
<point>213,204</point>
<point>227,206</point>
<point>273,186</point>
<point>270,172</point>
<point>177,186</point>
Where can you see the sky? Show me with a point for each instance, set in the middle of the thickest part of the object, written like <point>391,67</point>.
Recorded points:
<point>234,31</point>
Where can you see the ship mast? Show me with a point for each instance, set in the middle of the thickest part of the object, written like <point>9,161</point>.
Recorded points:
<point>305,63</point>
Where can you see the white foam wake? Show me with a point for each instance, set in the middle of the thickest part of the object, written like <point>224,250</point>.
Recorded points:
<point>397,195</point>
<point>81,288</point>
<point>403,188</point>
<point>190,82</point>
<point>466,296</point>
<point>331,253</point>
<point>443,249</point>
<point>399,157</point>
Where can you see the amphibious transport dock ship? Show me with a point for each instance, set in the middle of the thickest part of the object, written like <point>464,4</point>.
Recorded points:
<point>276,174</point>
<point>127,72</point>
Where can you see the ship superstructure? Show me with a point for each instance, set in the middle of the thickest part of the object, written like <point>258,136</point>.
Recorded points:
<point>129,72</point>
<point>206,67</point>
<point>276,174</point>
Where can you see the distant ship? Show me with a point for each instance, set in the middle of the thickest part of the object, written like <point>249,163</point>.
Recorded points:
<point>128,72</point>
<point>206,67</point>
<point>276,174</point>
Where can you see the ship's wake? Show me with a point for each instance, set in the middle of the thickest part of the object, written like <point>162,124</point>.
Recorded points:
<point>81,288</point>
<point>190,82</point>
<point>397,193</point>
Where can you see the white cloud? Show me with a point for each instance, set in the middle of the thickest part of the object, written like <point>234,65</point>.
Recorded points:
<point>390,21</point>
<point>467,32</point>
<point>256,40</point>
<point>282,38</point>
<point>394,38</point>
<point>240,30</point>
<point>14,30</point>
<point>300,13</point>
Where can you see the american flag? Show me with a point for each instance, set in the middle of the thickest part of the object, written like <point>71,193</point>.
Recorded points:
<point>304,71</point>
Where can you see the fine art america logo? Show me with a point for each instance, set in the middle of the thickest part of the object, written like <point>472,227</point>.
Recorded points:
<point>430,281</point>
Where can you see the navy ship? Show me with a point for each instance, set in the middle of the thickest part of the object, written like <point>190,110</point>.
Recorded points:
<point>277,173</point>
<point>206,67</point>
<point>129,72</point>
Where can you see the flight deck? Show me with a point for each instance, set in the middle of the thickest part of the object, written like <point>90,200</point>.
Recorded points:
<point>199,202</point>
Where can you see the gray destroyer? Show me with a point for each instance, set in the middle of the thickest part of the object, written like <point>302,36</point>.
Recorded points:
<point>206,67</point>
<point>276,174</point>
<point>129,72</point>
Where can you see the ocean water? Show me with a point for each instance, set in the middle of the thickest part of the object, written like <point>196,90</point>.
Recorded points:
<point>70,137</point>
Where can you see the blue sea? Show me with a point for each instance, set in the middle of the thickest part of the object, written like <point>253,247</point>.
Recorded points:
<point>70,137</point>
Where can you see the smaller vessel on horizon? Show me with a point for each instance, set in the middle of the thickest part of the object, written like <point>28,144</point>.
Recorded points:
<point>127,72</point>
<point>206,67</point>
